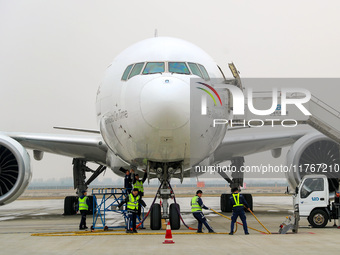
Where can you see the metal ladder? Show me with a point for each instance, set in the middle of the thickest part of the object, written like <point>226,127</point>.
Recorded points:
<point>324,118</point>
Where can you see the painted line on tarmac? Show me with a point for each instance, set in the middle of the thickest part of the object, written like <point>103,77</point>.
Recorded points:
<point>106,233</point>
<point>121,233</point>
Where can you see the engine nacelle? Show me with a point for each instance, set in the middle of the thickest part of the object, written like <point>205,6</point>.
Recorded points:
<point>306,155</point>
<point>15,169</point>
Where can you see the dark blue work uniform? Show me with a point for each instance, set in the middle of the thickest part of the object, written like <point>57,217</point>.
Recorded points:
<point>133,202</point>
<point>196,209</point>
<point>238,210</point>
<point>83,212</point>
<point>128,183</point>
<point>141,193</point>
<point>127,180</point>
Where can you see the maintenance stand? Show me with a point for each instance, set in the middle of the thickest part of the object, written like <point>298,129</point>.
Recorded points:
<point>110,199</point>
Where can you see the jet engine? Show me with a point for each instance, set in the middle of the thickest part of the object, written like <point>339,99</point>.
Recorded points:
<point>15,170</point>
<point>314,154</point>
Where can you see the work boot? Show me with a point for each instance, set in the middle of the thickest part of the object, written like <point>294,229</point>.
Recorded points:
<point>212,231</point>
<point>231,233</point>
<point>134,231</point>
<point>199,231</point>
<point>246,233</point>
<point>129,231</point>
<point>85,227</point>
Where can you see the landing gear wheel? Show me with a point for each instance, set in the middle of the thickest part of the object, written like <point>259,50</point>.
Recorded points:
<point>249,199</point>
<point>106,228</point>
<point>175,222</point>
<point>225,204</point>
<point>91,201</point>
<point>318,218</point>
<point>70,205</point>
<point>155,217</point>
<point>92,228</point>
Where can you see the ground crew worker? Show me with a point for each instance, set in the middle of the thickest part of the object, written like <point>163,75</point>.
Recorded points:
<point>196,209</point>
<point>238,203</point>
<point>83,207</point>
<point>127,180</point>
<point>138,184</point>
<point>133,202</point>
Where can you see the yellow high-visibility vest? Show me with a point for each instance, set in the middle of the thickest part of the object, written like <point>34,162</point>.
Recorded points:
<point>82,204</point>
<point>139,185</point>
<point>195,207</point>
<point>237,200</point>
<point>132,204</point>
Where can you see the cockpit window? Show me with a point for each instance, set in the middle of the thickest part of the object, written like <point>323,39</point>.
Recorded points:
<point>136,69</point>
<point>204,72</point>
<point>195,70</point>
<point>126,72</point>
<point>178,67</point>
<point>154,67</point>
<point>159,67</point>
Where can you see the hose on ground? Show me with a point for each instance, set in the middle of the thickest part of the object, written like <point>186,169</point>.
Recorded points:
<point>178,211</point>
<point>258,220</point>
<point>154,200</point>
<point>242,224</point>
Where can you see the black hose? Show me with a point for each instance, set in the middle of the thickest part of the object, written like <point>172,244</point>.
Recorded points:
<point>178,211</point>
<point>154,200</point>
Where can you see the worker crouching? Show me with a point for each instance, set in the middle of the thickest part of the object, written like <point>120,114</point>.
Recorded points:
<point>133,202</point>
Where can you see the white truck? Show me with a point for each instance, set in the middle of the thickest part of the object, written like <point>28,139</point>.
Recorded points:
<point>312,199</point>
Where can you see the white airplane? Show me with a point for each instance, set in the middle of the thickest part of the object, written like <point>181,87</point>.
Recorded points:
<point>146,121</point>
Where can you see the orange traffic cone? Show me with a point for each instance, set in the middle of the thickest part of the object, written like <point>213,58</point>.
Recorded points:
<point>168,235</point>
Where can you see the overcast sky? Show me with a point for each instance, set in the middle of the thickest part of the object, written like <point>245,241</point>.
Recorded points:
<point>53,54</point>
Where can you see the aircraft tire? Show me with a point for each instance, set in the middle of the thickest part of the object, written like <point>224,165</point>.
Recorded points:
<point>90,211</point>
<point>175,221</point>
<point>70,205</point>
<point>249,199</point>
<point>225,205</point>
<point>155,217</point>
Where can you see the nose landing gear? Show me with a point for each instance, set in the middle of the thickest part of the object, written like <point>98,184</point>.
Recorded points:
<point>162,211</point>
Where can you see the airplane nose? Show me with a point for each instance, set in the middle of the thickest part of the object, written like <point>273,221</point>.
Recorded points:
<point>165,102</point>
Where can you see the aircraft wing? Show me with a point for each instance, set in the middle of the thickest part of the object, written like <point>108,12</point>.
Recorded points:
<point>242,143</point>
<point>91,148</point>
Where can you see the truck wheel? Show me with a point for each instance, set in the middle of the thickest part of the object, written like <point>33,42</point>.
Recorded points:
<point>318,218</point>
<point>309,220</point>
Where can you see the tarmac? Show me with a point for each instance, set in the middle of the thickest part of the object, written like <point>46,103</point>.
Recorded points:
<point>25,224</point>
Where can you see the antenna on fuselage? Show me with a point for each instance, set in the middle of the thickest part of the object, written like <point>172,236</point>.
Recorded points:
<point>156,33</point>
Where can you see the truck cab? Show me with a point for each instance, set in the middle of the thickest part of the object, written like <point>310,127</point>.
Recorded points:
<point>312,200</point>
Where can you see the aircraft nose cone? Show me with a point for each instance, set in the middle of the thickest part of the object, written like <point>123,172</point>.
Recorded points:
<point>165,103</point>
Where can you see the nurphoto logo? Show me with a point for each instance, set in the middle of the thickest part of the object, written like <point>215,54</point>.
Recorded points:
<point>277,108</point>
